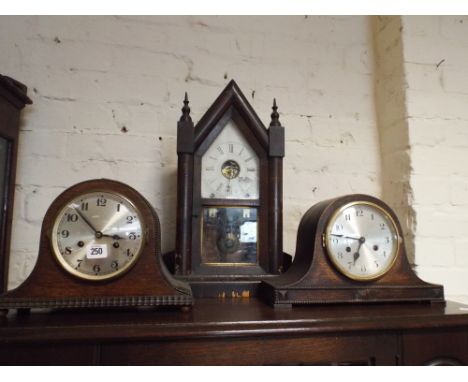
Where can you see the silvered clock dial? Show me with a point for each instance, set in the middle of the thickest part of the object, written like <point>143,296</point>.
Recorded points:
<point>97,235</point>
<point>361,240</point>
<point>230,167</point>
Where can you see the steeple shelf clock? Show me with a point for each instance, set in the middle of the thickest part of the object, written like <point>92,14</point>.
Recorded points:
<point>229,203</point>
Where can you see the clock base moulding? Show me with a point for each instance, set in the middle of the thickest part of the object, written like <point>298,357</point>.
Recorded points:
<point>314,279</point>
<point>146,284</point>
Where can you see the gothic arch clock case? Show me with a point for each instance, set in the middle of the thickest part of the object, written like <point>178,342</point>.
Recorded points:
<point>229,217</point>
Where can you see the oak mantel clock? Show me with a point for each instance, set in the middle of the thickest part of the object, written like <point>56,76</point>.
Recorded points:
<point>229,214</point>
<point>349,250</point>
<point>99,247</point>
<point>13,98</point>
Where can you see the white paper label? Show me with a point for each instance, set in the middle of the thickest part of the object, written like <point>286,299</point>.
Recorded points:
<point>248,232</point>
<point>96,251</point>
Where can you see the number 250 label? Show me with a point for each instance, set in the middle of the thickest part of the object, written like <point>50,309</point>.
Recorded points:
<point>96,251</point>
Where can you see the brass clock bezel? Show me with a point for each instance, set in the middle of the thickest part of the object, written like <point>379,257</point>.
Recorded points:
<point>338,266</point>
<point>66,267</point>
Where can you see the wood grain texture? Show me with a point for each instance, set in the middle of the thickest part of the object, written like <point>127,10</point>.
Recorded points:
<point>13,98</point>
<point>312,278</point>
<point>147,283</point>
<point>239,332</point>
<point>193,141</point>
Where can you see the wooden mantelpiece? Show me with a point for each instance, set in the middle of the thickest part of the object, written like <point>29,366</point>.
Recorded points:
<point>240,332</point>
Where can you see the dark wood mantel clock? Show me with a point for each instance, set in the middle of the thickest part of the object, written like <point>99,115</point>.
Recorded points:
<point>229,214</point>
<point>13,98</point>
<point>99,248</point>
<point>349,250</point>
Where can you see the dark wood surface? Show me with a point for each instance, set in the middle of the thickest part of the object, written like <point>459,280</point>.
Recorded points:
<point>192,143</point>
<point>147,283</point>
<point>13,98</point>
<point>313,279</point>
<point>240,332</point>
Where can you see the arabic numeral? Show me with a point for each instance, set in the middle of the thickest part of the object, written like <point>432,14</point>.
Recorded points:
<point>132,236</point>
<point>101,202</point>
<point>72,217</point>
<point>115,265</point>
<point>359,213</point>
<point>65,233</point>
<point>347,217</point>
<point>382,226</point>
<point>96,269</point>
<point>130,219</point>
<point>79,261</point>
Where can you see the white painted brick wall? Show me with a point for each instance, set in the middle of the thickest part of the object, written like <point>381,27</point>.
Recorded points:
<point>91,76</point>
<point>435,54</point>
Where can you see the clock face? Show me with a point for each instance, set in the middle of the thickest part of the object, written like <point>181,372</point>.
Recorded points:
<point>230,167</point>
<point>362,241</point>
<point>97,236</point>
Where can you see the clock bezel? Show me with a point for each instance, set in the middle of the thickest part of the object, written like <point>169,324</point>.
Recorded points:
<point>337,265</point>
<point>63,263</point>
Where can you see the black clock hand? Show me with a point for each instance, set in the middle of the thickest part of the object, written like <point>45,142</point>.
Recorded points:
<point>86,221</point>
<point>115,237</point>
<point>356,254</point>
<point>346,237</point>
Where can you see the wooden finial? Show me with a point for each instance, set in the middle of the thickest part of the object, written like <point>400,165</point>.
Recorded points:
<point>186,110</point>
<point>275,116</point>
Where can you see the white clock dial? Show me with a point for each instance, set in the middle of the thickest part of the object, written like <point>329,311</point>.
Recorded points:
<point>97,235</point>
<point>362,240</point>
<point>230,167</point>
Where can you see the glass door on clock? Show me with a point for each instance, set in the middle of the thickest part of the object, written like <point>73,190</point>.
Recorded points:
<point>230,197</point>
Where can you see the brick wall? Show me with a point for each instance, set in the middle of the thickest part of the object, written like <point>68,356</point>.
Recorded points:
<point>435,57</point>
<point>107,94</point>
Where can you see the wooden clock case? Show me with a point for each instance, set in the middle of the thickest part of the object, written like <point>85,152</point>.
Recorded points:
<point>147,283</point>
<point>230,280</point>
<point>13,98</point>
<point>313,279</point>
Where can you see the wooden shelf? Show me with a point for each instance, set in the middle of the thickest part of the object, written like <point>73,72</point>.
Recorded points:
<point>239,332</point>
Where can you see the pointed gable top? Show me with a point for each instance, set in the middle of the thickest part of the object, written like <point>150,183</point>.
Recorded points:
<point>231,96</point>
